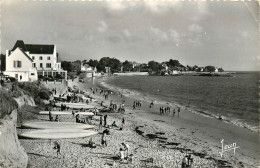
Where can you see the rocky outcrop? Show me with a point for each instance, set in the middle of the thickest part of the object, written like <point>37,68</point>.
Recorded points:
<point>12,154</point>
<point>25,100</point>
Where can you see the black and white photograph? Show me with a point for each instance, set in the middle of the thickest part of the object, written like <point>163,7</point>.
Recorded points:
<point>129,84</point>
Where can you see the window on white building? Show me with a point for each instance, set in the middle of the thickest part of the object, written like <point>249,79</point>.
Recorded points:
<point>48,65</point>
<point>40,65</point>
<point>49,58</point>
<point>32,57</point>
<point>16,76</point>
<point>40,57</point>
<point>17,64</point>
<point>32,74</point>
<point>33,65</point>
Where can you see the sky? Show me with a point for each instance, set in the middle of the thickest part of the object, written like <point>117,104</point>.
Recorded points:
<point>223,34</point>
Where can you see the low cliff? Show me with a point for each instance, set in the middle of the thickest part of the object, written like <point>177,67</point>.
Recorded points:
<point>12,154</point>
<point>13,100</point>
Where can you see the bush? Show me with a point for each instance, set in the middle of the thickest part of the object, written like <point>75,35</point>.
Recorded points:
<point>59,76</point>
<point>15,93</point>
<point>7,103</point>
<point>43,95</point>
<point>35,90</point>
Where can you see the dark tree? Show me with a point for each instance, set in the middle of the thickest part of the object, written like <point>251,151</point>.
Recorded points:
<point>66,65</point>
<point>153,65</point>
<point>93,63</point>
<point>210,68</point>
<point>3,62</point>
<point>173,63</point>
<point>127,66</point>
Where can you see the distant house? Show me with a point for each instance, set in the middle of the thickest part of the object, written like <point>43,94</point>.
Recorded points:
<point>44,58</point>
<point>165,66</point>
<point>90,71</point>
<point>107,70</point>
<point>86,67</point>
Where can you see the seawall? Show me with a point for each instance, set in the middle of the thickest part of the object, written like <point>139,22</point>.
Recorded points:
<point>131,74</point>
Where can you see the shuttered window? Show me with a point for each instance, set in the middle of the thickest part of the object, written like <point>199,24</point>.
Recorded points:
<point>17,64</point>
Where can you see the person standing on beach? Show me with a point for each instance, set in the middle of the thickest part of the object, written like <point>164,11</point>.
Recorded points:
<point>104,139</point>
<point>123,124</point>
<point>105,120</point>
<point>179,110</point>
<point>173,112</point>
<point>184,163</point>
<point>126,149</point>
<point>50,116</point>
<point>100,123</point>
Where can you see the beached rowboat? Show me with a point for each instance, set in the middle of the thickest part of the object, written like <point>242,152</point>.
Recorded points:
<point>56,125</point>
<point>65,113</point>
<point>58,133</point>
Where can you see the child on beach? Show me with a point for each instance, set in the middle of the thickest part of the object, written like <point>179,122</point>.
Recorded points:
<point>114,124</point>
<point>126,149</point>
<point>91,143</point>
<point>173,112</point>
<point>57,118</point>
<point>122,156</point>
<point>57,146</point>
<point>184,163</point>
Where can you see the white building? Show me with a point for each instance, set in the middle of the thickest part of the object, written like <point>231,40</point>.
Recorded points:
<point>20,65</point>
<point>44,58</point>
<point>89,71</point>
<point>86,67</point>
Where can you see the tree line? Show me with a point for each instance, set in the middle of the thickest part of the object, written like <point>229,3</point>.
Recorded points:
<point>153,67</point>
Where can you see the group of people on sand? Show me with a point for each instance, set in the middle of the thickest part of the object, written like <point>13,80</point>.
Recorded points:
<point>57,118</point>
<point>112,106</point>
<point>101,125</point>
<point>168,110</point>
<point>165,110</point>
<point>137,103</point>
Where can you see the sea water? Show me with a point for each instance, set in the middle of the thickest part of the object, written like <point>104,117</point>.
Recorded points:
<point>235,99</point>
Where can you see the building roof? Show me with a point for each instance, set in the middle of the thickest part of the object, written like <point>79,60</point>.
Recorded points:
<point>34,48</point>
<point>19,44</point>
<point>40,48</point>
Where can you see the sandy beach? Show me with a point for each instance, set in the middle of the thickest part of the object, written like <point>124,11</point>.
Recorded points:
<point>164,138</point>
